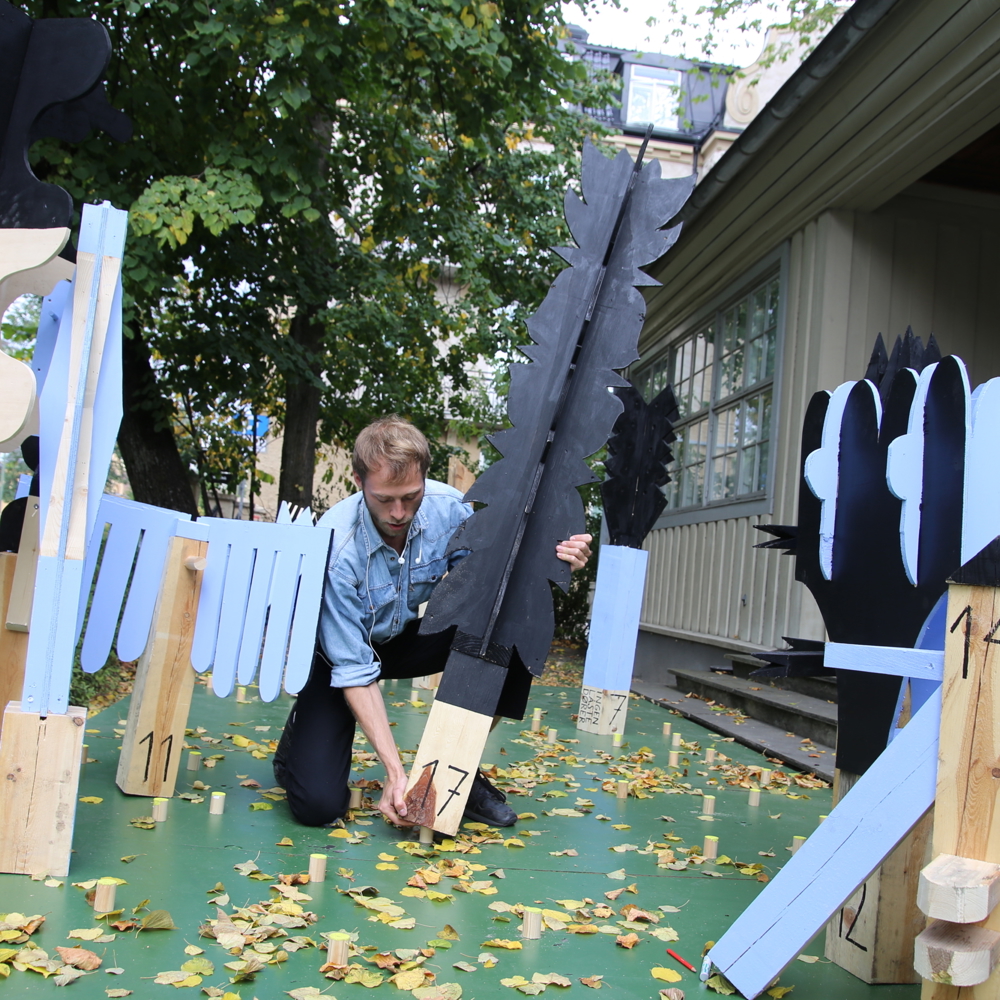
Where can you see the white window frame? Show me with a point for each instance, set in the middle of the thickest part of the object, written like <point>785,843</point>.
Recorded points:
<point>673,88</point>
<point>774,265</point>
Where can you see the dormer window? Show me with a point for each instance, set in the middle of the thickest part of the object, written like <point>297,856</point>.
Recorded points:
<point>652,96</point>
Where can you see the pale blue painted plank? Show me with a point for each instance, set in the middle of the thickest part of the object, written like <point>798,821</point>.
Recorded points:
<point>232,617</point>
<point>614,622</point>
<point>109,593</point>
<point>206,629</point>
<point>839,855</point>
<point>256,615</point>
<point>926,664</point>
<point>284,587</point>
<point>48,329</point>
<point>307,605</point>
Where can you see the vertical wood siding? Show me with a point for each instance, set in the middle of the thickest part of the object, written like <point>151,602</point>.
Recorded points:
<point>927,259</point>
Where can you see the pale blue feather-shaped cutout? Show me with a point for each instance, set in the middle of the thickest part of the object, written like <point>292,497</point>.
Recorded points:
<point>260,602</point>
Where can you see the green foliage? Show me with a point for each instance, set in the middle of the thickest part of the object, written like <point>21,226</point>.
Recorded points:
<point>20,324</point>
<point>393,168</point>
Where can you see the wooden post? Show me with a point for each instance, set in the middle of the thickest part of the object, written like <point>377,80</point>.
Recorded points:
<point>871,935</point>
<point>531,923</point>
<point>40,773</point>
<point>317,867</point>
<point>217,804</point>
<point>338,948</point>
<point>13,645</point>
<point>962,956</point>
<point>164,679</point>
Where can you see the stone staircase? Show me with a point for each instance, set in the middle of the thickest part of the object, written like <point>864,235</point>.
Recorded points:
<point>789,719</point>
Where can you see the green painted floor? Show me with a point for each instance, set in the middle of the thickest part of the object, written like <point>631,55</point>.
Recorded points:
<point>181,861</point>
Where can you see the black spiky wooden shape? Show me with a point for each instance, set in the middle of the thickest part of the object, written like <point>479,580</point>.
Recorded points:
<point>586,328</point>
<point>638,456</point>
<point>51,72</point>
<point>869,599</point>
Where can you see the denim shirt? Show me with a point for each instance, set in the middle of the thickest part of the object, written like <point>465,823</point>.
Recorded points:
<point>371,591</point>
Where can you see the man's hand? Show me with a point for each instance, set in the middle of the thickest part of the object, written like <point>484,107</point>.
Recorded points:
<point>392,804</point>
<point>575,550</point>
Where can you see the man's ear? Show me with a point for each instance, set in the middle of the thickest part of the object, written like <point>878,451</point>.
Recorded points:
<point>358,483</point>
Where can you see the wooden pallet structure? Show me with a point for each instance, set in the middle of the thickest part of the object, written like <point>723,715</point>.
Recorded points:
<point>932,438</point>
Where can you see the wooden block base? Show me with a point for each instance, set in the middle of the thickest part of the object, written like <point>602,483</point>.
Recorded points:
<point>871,935</point>
<point>602,712</point>
<point>960,890</point>
<point>39,781</point>
<point>446,763</point>
<point>956,954</point>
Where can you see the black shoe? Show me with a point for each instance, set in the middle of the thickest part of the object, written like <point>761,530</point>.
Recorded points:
<point>488,804</point>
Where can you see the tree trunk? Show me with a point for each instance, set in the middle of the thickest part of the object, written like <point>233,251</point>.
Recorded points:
<point>146,440</point>
<point>302,401</point>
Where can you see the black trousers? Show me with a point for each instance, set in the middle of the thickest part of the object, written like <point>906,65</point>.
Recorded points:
<point>313,759</point>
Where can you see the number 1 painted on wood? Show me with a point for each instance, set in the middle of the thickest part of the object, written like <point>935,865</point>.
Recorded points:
<point>967,615</point>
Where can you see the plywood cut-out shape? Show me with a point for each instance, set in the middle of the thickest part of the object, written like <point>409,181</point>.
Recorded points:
<point>259,603</point>
<point>980,511</point>
<point>138,535</point>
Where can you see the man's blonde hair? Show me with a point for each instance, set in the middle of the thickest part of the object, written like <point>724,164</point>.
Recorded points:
<point>393,442</point>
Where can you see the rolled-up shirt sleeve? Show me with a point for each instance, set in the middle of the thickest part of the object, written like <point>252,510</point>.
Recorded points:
<point>342,632</point>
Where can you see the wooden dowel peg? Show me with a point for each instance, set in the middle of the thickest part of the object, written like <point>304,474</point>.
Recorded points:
<point>710,755</point>
<point>708,805</point>
<point>194,760</point>
<point>531,923</point>
<point>317,867</point>
<point>765,777</point>
<point>536,720</point>
<point>797,842</point>
<point>822,818</point>
<point>616,740</point>
<point>426,835</point>
<point>710,849</point>
<point>676,744</point>
<point>674,760</point>
<point>552,734</point>
<point>355,802</point>
<point>754,799</point>
<point>667,727</point>
<point>338,948</point>
<point>209,686</point>
<point>104,895</point>
<point>622,790</point>
<point>241,695</point>
<point>160,809</point>
<point>84,751</point>
<point>217,804</point>
<point>195,563</point>
<point>415,698</point>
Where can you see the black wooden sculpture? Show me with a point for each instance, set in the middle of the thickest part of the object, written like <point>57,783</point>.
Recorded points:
<point>638,456</point>
<point>51,72</point>
<point>499,597</point>
<point>867,597</point>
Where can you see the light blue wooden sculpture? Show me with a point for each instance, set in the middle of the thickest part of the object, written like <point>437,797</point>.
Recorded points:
<point>259,605</point>
<point>260,596</point>
<point>79,414</point>
<point>138,535</point>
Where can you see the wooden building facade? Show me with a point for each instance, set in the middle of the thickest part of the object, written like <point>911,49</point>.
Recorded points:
<point>864,198</point>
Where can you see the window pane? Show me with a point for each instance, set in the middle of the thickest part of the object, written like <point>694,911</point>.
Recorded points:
<point>652,96</point>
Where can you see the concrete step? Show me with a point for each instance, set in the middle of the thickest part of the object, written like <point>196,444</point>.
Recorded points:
<point>824,688</point>
<point>788,711</point>
<point>774,743</point>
